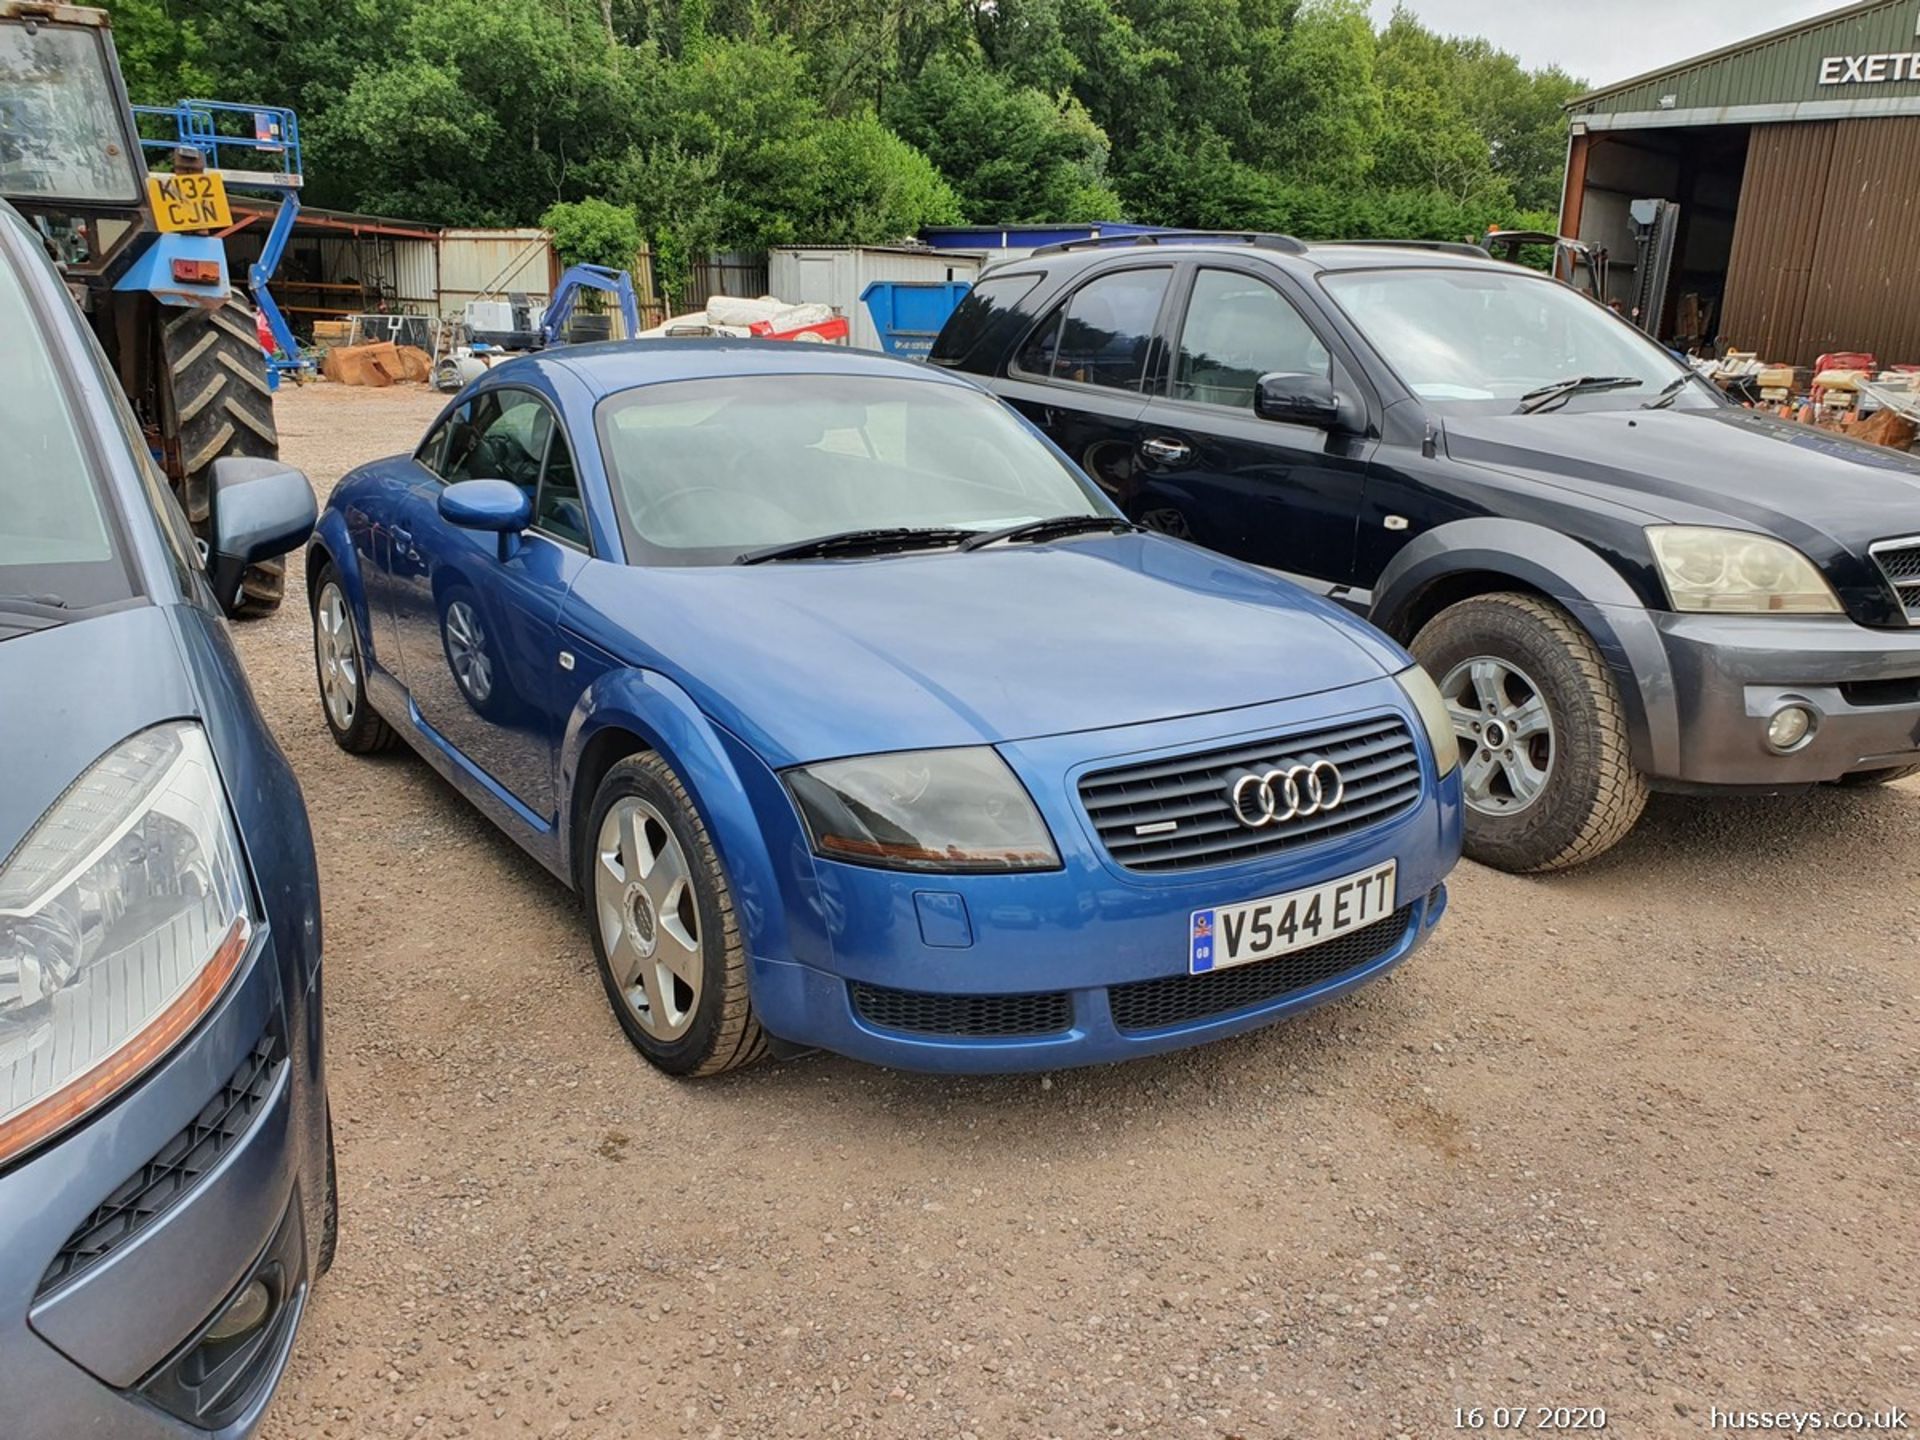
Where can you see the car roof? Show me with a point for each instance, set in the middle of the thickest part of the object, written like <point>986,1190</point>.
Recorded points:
<point>614,365</point>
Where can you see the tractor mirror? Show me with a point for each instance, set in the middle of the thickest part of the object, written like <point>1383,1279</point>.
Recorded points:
<point>261,508</point>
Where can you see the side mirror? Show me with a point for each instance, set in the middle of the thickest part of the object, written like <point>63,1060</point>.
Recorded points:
<point>260,509</point>
<point>1299,400</point>
<point>498,506</point>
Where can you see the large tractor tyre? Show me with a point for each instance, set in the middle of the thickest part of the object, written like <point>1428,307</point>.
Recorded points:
<point>219,404</point>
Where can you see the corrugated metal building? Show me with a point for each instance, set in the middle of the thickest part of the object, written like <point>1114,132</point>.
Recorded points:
<point>477,264</point>
<point>1789,165</point>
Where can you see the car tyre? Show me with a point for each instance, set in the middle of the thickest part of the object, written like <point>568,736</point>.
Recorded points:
<point>1862,779</point>
<point>1557,785</point>
<point>652,882</point>
<point>341,670</point>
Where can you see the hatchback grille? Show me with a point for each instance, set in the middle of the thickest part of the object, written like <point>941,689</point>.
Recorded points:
<point>1182,806</point>
<point>1177,999</point>
<point>163,1181</point>
<point>1899,561</point>
<point>978,1016</point>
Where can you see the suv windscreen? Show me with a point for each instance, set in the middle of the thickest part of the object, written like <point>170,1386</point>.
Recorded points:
<point>59,547</point>
<point>1480,339</point>
<point>705,471</point>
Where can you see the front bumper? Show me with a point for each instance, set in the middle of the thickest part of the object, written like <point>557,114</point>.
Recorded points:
<point>106,1346</point>
<point>1088,963</point>
<point>1730,673</point>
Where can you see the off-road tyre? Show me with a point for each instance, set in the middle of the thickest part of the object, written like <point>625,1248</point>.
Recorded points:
<point>725,1034</point>
<point>1863,779</point>
<point>365,732</point>
<point>1593,794</point>
<point>329,1210</point>
<point>218,403</point>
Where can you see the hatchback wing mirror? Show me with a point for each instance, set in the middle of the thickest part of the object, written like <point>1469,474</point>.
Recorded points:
<point>260,509</point>
<point>1301,400</point>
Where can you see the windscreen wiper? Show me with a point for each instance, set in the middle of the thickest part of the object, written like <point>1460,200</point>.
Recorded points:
<point>858,542</point>
<point>1668,393</point>
<point>1051,528</point>
<point>1560,390</point>
<point>31,612</point>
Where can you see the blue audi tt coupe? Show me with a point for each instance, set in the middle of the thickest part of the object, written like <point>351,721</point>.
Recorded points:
<point>860,719</point>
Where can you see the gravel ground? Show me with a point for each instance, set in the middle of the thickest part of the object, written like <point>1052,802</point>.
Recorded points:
<point>1640,1137</point>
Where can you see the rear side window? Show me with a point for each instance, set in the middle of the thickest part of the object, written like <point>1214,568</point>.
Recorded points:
<point>1103,334</point>
<point>985,305</point>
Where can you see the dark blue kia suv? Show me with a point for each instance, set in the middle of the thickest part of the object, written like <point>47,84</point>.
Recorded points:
<point>166,1169</point>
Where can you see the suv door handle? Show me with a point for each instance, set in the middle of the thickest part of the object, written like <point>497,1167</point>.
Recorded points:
<point>1166,452</point>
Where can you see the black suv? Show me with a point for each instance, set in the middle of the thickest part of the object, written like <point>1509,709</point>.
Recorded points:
<point>1620,580</point>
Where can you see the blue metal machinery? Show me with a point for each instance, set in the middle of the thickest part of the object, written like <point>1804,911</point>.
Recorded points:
<point>266,157</point>
<point>579,278</point>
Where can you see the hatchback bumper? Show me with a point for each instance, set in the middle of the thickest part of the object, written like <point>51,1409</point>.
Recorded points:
<point>1090,963</point>
<point>1732,673</point>
<point>120,1242</point>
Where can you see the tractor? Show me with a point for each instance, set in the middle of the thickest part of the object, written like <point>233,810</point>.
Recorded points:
<point>141,247</point>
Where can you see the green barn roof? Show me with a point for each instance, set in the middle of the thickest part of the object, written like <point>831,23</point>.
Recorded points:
<point>1862,59</point>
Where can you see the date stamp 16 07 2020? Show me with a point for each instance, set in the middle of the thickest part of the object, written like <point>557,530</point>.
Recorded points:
<point>1529,1417</point>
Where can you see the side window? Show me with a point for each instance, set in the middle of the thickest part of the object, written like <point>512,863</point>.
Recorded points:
<point>504,439</point>
<point>1238,329</point>
<point>557,508</point>
<point>1103,334</point>
<point>433,450</point>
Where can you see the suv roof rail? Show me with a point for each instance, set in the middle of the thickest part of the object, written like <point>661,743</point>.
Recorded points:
<point>1266,241</point>
<point>1443,247</point>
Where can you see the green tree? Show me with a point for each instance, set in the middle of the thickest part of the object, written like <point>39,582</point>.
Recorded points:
<point>1012,153</point>
<point>593,232</point>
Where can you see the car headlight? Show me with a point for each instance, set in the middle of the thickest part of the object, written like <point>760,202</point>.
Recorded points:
<point>123,914</point>
<point>923,810</point>
<point>1738,572</point>
<point>1431,706</point>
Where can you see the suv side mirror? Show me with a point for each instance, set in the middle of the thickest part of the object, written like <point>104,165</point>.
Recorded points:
<point>260,509</point>
<point>496,505</point>
<point>1298,400</point>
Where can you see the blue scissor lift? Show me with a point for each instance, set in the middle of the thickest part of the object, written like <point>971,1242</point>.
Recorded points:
<point>264,155</point>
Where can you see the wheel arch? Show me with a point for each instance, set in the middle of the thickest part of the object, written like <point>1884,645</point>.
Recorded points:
<point>331,546</point>
<point>1458,561</point>
<point>630,712</point>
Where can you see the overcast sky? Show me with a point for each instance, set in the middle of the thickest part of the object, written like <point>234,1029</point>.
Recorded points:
<point>1607,40</point>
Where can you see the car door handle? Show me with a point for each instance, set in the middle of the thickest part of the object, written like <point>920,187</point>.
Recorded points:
<point>402,538</point>
<point>1166,452</point>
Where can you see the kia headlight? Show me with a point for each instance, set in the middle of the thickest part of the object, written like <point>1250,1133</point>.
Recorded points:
<point>1431,707</point>
<point>123,914</point>
<point>951,810</point>
<point>1735,572</point>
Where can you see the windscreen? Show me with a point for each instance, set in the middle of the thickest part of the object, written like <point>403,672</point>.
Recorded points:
<point>705,471</point>
<point>1479,339</point>
<point>56,542</point>
<point>63,134</point>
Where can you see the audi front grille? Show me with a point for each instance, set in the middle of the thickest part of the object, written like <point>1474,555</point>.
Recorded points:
<point>1899,562</point>
<point>1177,814</point>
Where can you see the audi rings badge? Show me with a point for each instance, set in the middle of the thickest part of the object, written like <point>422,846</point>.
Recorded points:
<point>1289,793</point>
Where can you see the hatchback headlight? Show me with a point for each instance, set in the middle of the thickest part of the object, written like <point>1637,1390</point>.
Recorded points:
<point>1737,572</point>
<point>123,914</point>
<point>1431,706</point>
<point>955,810</point>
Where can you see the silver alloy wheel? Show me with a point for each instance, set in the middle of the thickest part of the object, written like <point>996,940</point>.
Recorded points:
<point>339,661</point>
<point>1505,731</point>
<point>649,917</point>
<point>467,649</point>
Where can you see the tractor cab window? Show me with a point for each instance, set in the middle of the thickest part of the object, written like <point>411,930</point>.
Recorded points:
<point>63,135</point>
